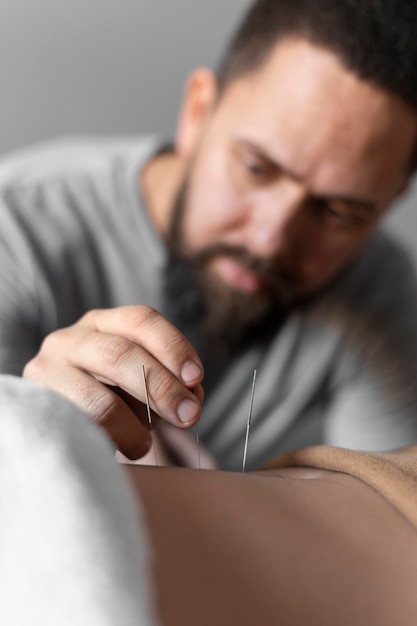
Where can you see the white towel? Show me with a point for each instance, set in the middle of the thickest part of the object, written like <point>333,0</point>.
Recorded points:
<point>73,544</point>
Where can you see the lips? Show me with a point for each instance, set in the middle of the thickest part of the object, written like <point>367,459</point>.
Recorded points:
<point>237,276</point>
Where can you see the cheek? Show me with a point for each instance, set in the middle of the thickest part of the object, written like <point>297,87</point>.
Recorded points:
<point>214,205</point>
<point>322,259</point>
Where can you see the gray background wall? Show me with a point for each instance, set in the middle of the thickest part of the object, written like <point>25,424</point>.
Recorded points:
<point>114,66</point>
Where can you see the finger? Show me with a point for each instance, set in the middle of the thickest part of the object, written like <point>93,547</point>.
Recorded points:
<point>119,362</point>
<point>102,404</point>
<point>151,330</point>
<point>199,393</point>
<point>137,407</point>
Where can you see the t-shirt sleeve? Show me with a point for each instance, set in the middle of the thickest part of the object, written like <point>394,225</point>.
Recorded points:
<point>373,404</point>
<point>372,413</point>
<point>20,328</point>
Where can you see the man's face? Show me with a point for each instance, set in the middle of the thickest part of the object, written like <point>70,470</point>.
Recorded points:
<point>288,175</point>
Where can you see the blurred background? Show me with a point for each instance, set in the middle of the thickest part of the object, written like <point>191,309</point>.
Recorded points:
<point>115,67</point>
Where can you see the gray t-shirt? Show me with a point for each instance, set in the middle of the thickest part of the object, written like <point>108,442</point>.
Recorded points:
<point>75,235</point>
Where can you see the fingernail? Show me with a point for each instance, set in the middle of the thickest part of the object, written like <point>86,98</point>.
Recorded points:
<point>190,372</point>
<point>187,411</point>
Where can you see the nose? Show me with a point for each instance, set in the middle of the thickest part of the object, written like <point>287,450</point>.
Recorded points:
<point>277,219</point>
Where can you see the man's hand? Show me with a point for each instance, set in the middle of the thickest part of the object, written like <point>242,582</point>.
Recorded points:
<point>97,363</point>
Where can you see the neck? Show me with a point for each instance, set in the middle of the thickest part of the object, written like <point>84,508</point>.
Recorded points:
<point>160,181</point>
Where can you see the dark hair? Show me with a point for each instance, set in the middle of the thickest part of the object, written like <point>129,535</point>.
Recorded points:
<point>376,39</point>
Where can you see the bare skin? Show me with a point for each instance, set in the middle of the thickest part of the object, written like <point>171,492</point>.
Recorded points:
<point>291,546</point>
<point>296,162</point>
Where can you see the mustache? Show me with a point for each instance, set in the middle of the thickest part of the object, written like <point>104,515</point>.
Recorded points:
<point>272,273</point>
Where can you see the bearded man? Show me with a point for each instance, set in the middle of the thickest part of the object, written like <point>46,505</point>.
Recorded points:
<point>251,241</point>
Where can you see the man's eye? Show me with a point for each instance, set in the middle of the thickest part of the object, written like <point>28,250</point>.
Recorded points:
<point>341,215</point>
<point>256,170</point>
<point>336,214</point>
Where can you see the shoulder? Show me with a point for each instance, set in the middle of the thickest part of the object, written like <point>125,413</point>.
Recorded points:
<point>63,194</point>
<point>372,307</point>
<point>70,159</point>
<point>71,182</point>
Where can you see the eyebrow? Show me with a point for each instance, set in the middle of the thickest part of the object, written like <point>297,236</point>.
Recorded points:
<point>361,204</point>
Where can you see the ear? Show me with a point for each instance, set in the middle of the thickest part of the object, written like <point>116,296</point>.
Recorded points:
<point>198,101</point>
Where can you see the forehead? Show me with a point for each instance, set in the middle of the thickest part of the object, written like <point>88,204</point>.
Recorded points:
<point>312,114</point>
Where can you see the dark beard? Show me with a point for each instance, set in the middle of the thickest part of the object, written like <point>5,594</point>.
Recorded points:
<point>218,320</point>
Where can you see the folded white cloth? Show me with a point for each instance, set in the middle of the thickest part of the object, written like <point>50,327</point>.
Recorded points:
<point>73,543</point>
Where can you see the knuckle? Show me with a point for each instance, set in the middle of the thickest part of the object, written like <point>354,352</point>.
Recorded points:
<point>175,344</point>
<point>102,407</point>
<point>56,338</point>
<point>158,388</point>
<point>88,319</point>
<point>33,368</point>
<point>168,335</point>
<point>144,315</point>
<point>115,353</point>
<point>56,347</point>
<point>50,352</point>
<point>164,390</point>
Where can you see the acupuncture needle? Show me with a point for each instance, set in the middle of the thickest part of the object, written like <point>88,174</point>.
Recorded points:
<point>197,438</point>
<point>148,410</point>
<point>245,451</point>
